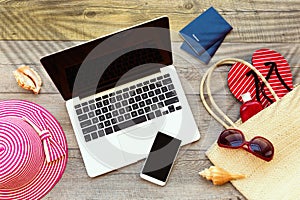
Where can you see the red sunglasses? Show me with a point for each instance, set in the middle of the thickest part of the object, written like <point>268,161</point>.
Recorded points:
<point>258,146</point>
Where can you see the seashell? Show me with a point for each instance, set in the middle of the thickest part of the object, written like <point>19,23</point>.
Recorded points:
<point>28,79</point>
<point>219,176</point>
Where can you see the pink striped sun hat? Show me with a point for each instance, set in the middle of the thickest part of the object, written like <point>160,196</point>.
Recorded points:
<point>33,150</point>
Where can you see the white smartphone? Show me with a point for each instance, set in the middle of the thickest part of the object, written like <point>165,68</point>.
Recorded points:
<point>160,160</point>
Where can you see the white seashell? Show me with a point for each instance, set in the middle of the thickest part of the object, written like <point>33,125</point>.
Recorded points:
<point>219,176</point>
<point>28,79</point>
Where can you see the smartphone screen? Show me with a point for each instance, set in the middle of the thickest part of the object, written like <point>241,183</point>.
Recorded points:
<point>161,157</point>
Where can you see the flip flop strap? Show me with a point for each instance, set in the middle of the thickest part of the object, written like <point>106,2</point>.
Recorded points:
<point>256,82</point>
<point>260,87</point>
<point>207,79</point>
<point>274,67</point>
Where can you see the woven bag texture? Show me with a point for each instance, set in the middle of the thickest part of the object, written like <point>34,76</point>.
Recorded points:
<point>279,178</point>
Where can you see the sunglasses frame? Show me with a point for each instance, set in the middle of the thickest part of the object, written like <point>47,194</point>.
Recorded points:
<point>246,145</point>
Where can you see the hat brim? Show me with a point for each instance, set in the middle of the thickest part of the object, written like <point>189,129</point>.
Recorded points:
<point>50,173</point>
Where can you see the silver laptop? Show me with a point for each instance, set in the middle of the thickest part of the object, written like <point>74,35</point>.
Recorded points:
<point>120,90</point>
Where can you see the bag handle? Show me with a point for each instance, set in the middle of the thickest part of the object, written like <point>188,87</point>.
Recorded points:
<point>207,78</point>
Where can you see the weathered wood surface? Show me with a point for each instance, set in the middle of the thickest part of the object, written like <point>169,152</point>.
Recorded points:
<point>125,183</point>
<point>27,31</point>
<point>253,21</point>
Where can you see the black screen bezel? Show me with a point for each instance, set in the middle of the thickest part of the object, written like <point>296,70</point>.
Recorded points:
<point>57,63</point>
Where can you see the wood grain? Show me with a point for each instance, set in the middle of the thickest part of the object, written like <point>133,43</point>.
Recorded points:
<point>17,53</point>
<point>259,21</point>
<point>32,29</point>
<point>190,71</point>
<point>125,183</point>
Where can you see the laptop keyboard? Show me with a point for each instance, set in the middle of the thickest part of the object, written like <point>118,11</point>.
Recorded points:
<point>127,107</point>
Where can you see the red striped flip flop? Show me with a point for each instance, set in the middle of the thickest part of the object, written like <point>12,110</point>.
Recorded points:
<point>273,66</point>
<point>26,172</point>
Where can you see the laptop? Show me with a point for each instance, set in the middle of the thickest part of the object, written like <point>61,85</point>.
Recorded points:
<point>120,90</point>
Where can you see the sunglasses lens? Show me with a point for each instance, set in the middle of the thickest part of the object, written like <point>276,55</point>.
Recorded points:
<point>231,138</point>
<point>262,147</point>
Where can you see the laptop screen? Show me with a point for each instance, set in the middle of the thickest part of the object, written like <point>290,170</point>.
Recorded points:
<point>114,59</point>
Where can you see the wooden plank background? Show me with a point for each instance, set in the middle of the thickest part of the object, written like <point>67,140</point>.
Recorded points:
<point>31,29</point>
<point>253,21</point>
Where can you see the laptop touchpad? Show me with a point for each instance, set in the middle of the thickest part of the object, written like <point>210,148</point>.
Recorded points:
<point>137,143</point>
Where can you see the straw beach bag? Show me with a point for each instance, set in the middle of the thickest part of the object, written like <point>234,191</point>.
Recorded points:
<point>279,123</point>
